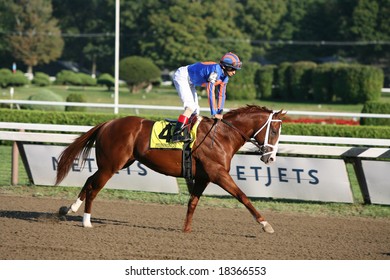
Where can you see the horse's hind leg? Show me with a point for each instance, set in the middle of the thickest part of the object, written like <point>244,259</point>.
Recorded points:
<point>88,193</point>
<point>98,181</point>
<point>74,207</point>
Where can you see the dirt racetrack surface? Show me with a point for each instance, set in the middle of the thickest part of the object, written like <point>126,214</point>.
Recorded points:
<point>30,230</point>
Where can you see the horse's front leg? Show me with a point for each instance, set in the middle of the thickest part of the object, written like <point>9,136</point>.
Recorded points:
<point>192,203</point>
<point>196,193</point>
<point>226,182</point>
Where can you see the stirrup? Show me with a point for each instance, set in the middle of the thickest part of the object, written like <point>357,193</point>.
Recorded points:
<point>178,137</point>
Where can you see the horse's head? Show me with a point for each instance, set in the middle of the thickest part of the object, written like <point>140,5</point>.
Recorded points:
<point>268,136</point>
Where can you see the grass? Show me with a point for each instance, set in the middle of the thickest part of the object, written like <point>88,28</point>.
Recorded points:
<point>167,96</point>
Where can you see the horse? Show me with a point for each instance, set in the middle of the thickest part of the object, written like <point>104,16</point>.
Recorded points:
<point>122,141</point>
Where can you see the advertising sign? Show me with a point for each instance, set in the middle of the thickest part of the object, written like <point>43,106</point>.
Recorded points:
<point>43,161</point>
<point>378,180</point>
<point>290,178</point>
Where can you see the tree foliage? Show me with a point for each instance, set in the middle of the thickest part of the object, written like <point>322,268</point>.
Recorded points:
<point>178,32</point>
<point>138,72</point>
<point>262,17</point>
<point>107,80</point>
<point>183,32</point>
<point>36,38</point>
<point>94,17</point>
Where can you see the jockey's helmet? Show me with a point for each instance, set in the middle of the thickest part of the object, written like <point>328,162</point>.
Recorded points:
<point>231,60</point>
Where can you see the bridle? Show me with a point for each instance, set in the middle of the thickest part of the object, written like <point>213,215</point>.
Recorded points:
<point>267,125</point>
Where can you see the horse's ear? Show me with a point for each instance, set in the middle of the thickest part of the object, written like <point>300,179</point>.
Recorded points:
<point>280,114</point>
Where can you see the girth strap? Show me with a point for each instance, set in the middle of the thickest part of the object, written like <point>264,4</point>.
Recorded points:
<point>187,164</point>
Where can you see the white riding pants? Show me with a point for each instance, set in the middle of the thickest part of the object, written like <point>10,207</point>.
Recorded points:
<point>186,90</point>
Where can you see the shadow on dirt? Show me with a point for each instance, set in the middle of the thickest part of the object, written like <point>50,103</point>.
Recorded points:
<point>56,218</point>
<point>36,216</point>
<point>43,217</point>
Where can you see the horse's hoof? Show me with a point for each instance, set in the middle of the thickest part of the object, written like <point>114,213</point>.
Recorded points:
<point>267,227</point>
<point>63,211</point>
<point>87,225</point>
<point>187,230</point>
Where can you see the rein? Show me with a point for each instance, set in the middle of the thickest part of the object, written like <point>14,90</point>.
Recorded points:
<point>248,139</point>
<point>243,135</point>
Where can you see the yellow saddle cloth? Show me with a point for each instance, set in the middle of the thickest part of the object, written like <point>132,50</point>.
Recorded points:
<point>161,136</point>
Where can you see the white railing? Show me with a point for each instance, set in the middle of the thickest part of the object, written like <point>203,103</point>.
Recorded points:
<point>354,149</point>
<point>385,90</point>
<point>289,144</point>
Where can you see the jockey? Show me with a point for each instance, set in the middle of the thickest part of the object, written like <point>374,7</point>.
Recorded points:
<point>213,77</point>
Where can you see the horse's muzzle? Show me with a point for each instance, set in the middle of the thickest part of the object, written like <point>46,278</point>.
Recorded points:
<point>267,159</point>
<point>268,155</point>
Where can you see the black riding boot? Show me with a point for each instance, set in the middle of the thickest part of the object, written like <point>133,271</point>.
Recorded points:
<point>177,133</point>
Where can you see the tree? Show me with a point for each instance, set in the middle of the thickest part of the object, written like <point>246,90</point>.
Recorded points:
<point>91,39</point>
<point>36,38</point>
<point>259,19</point>
<point>289,28</point>
<point>5,25</point>
<point>175,35</point>
<point>370,22</point>
<point>107,80</point>
<point>138,72</point>
<point>181,32</point>
<point>178,32</point>
<point>223,31</point>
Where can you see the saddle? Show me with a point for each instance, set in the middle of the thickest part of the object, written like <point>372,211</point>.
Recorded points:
<point>161,137</point>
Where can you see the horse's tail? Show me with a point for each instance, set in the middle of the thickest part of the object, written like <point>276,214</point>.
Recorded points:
<point>81,146</point>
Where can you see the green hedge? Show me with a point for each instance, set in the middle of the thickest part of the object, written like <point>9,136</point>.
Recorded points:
<point>87,80</point>
<point>282,82</point>
<point>138,72</point>
<point>375,108</point>
<point>322,83</point>
<point>8,78</point>
<point>45,95</point>
<point>300,79</point>
<point>5,77</point>
<point>41,79</point>
<point>264,79</point>
<point>358,84</point>
<point>67,77</point>
<point>331,82</point>
<point>336,130</point>
<point>70,118</point>
<point>242,85</point>
<point>76,118</point>
<point>75,97</point>
<point>106,80</point>
<point>18,79</point>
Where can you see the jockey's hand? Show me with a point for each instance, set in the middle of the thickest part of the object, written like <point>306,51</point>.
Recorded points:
<point>218,116</point>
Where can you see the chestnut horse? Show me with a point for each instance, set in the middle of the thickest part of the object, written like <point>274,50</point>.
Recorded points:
<point>120,142</point>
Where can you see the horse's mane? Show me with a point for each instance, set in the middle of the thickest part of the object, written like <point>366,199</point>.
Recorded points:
<point>248,109</point>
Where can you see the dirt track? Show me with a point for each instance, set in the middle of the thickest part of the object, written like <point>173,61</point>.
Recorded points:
<point>128,230</point>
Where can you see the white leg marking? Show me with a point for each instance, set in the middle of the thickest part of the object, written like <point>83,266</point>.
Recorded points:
<point>75,206</point>
<point>87,220</point>
<point>267,227</point>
